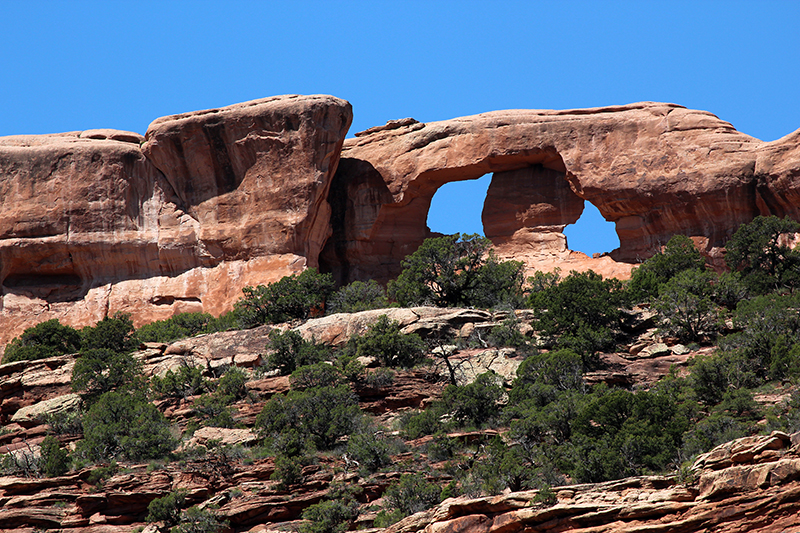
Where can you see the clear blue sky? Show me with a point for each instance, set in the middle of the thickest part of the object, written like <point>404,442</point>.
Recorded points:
<point>73,65</point>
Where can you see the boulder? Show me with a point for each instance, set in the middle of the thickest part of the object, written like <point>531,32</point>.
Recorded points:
<point>34,414</point>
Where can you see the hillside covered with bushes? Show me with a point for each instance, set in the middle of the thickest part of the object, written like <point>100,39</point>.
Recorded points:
<point>326,409</point>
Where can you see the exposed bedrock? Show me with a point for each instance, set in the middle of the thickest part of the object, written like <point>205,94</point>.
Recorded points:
<point>653,169</point>
<point>179,220</point>
<point>208,202</point>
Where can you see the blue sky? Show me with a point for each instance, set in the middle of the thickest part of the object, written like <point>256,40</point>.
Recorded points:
<point>73,65</point>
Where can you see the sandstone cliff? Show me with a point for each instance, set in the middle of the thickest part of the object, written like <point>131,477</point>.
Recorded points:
<point>653,169</point>
<point>101,221</point>
<point>206,203</point>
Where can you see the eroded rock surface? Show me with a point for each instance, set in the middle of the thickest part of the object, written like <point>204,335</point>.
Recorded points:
<point>208,202</point>
<point>653,169</point>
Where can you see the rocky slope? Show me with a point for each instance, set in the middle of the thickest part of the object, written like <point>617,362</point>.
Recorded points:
<point>208,202</point>
<point>751,484</point>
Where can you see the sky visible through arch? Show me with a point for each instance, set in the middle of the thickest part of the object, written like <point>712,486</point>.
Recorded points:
<point>457,206</point>
<point>82,64</point>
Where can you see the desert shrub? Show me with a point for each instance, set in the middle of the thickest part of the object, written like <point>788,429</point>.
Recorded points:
<point>712,431</point>
<point>358,296</point>
<point>350,367</point>
<point>290,350</point>
<point>187,381</point>
<point>196,520</point>
<point>580,313</point>
<point>369,449</point>
<point>288,471</point>
<point>214,410</point>
<point>231,385</point>
<point>384,341</point>
<point>127,426</point>
<point>758,251</point>
<point>457,271</point>
<point>441,448</point>
<point>476,403</point>
<point>289,443</point>
<point>55,460</point>
<point>617,433</point>
<point>335,514</point>
<point>765,347</point>
<point>379,378</point>
<point>167,509</point>
<point>317,375</point>
<point>507,334</point>
<point>541,377</point>
<point>46,339</point>
<point>179,326</point>
<point>729,290</point>
<point>294,296</point>
<point>769,324</point>
<point>679,255</point>
<point>101,370</point>
<point>538,423</point>
<point>504,467</point>
<point>386,518</point>
<point>686,307</point>
<point>65,422</point>
<point>417,424</point>
<point>224,322</point>
<point>100,474</point>
<point>320,415</point>
<point>787,418</point>
<point>411,494</point>
<point>114,334</point>
<point>542,281</point>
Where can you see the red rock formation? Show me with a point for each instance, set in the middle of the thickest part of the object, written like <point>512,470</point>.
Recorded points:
<point>653,169</point>
<point>750,484</point>
<point>102,221</point>
<point>208,202</point>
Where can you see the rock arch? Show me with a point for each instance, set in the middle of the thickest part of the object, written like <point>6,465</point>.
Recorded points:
<point>653,169</point>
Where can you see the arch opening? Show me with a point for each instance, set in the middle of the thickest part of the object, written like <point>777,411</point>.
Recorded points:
<point>457,206</point>
<point>592,234</point>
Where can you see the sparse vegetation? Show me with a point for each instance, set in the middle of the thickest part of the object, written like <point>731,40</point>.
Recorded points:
<point>457,270</point>
<point>295,296</point>
<point>553,424</point>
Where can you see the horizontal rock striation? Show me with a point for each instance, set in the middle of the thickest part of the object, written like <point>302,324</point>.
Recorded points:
<point>208,202</point>
<point>179,220</point>
<point>760,494</point>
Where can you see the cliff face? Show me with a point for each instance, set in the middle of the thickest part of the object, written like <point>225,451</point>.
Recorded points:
<point>209,202</point>
<point>750,484</point>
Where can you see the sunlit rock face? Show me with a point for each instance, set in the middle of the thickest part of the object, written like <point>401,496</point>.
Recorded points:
<point>96,222</point>
<point>653,169</point>
<point>101,221</point>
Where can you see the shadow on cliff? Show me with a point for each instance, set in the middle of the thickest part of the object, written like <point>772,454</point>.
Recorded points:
<point>357,194</point>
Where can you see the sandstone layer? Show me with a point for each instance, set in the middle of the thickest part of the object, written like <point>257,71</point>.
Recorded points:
<point>653,169</point>
<point>208,202</point>
<point>179,220</point>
